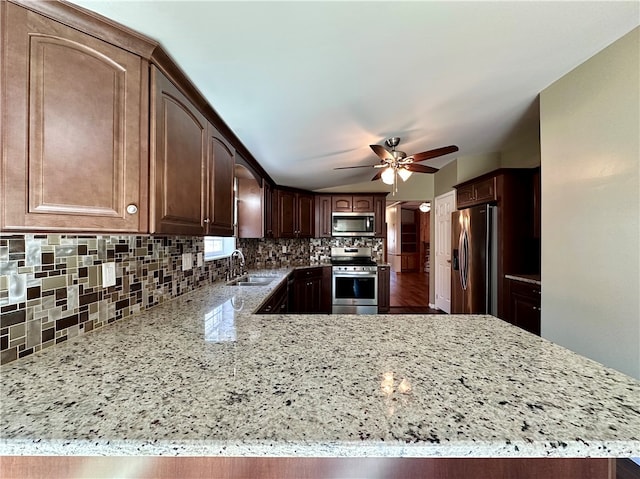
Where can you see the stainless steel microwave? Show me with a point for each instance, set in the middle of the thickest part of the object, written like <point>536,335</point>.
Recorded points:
<point>353,224</point>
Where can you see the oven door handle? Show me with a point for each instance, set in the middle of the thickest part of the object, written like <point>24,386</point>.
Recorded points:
<point>355,273</point>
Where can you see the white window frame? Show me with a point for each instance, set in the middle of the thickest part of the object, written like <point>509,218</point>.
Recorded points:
<point>224,246</point>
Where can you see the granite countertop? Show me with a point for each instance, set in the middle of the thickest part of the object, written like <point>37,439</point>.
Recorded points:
<point>525,278</point>
<point>203,375</point>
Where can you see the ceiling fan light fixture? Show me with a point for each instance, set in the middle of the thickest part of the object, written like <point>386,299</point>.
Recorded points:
<point>425,207</point>
<point>404,174</point>
<point>388,176</point>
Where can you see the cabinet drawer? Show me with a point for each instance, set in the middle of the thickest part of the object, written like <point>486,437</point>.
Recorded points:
<point>307,273</point>
<point>531,291</point>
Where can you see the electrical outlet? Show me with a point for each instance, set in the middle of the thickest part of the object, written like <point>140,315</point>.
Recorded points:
<point>284,248</point>
<point>187,261</point>
<point>108,274</point>
<point>200,260</point>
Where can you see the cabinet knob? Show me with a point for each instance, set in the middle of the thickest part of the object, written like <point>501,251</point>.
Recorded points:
<point>206,220</point>
<point>132,209</point>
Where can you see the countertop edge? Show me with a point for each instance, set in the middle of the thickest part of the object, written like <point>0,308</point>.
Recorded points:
<point>512,449</point>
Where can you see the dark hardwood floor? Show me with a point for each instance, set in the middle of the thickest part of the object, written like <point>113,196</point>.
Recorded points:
<point>410,294</point>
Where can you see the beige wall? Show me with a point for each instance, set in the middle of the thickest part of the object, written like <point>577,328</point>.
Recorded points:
<point>523,152</point>
<point>472,166</point>
<point>445,178</point>
<point>589,133</point>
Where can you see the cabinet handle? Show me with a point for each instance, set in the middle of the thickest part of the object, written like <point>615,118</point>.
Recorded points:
<point>132,209</point>
<point>267,309</point>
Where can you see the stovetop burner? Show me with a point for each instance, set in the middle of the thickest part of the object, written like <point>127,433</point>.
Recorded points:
<point>352,257</point>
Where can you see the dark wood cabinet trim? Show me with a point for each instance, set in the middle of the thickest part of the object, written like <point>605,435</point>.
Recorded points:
<point>123,37</point>
<point>93,24</point>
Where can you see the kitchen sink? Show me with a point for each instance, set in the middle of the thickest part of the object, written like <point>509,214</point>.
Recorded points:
<point>251,280</point>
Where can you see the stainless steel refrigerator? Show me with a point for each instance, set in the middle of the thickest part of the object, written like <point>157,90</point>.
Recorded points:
<point>474,258</point>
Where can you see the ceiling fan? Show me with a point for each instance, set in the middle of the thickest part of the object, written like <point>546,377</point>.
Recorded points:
<point>397,162</point>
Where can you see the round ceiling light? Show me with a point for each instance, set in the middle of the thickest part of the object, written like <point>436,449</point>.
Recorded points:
<point>388,175</point>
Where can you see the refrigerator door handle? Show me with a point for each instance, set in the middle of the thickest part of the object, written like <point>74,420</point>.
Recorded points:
<point>464,258</point>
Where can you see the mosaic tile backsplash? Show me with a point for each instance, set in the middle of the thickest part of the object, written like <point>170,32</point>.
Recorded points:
<point>51,285</point>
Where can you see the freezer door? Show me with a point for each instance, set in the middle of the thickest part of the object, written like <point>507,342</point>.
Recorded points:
<point>470,253</point>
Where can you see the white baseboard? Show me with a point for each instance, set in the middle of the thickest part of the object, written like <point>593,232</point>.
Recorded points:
<point>432,306</point>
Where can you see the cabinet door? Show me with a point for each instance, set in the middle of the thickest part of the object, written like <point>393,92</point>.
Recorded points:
<point>341,203</point>
<point>482,191</point>
<point>305,215</point>
<point>526,313</point>
<point>384,289</point>
<point>323,216</point>
<point>220,180</point>
<point>465,196</point>
<point>308,295</point>
<point>286,207</point>
<point>250,208</point>
<point>485,191</point>
<point>179,162</point>
<point>362,204</point>
<point>75,129</point>
<point>379,208</point>
<point>524,306</point>
<point>270,214</point>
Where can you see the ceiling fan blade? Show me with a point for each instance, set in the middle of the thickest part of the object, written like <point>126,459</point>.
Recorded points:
<point>382,153</point>
<point>361,166</point>
<point>426,155</point>
<point>377,176</point>
<point>420,168</point>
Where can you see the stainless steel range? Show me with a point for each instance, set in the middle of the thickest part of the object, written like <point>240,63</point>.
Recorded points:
<point>354,281</point>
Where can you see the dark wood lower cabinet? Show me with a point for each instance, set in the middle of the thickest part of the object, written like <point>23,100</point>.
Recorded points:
<point>277,303</point>
<point>384,289</point>
<point>524,308</point>
<point>307,291</point>
<point>40,467</point>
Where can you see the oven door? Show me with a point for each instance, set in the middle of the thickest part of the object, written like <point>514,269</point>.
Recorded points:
<point>355,288</point>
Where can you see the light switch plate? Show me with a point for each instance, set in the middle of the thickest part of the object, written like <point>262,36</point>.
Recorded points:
<point>108,274</point>
<point>187,261</point>
<point>200,260</point>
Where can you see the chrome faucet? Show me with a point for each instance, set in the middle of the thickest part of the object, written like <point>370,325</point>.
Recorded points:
<point>239,254</point>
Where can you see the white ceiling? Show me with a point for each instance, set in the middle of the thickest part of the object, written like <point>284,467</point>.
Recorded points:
<point>307,86</point>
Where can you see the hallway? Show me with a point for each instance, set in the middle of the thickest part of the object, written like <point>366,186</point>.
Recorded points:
<point>410,293</point>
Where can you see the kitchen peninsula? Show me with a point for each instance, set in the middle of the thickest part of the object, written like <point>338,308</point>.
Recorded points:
<point>202,375</point>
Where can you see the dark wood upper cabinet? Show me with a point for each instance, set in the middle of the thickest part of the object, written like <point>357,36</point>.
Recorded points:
<point>270,219</point>
<point>323,216</point>
<point>476,192</point>
<point>295,214</point>
<point>179,164</point>
<point>352,203</point>
<point>380,208</point>
<point>191,167</point>
<point>220,178</point>
<point>306,215</point>
<point>75,129</point>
